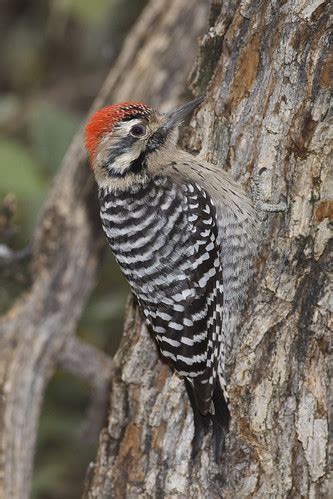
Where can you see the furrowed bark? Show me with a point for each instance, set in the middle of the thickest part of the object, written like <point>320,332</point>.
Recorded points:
<point>67,242</point>
<point>265,70</point>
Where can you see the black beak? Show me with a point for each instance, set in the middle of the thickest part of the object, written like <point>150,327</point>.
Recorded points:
<point>176,116</point>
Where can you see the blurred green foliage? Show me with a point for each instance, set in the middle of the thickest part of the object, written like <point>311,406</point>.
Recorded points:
<point>82,10</point>
<point>50,131</point>
<point>54,56</point>
<point>60,468</point>
<point>18,164</point>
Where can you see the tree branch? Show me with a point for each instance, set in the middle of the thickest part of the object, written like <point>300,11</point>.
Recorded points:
<point>86,362</point>
<point>96,368</point>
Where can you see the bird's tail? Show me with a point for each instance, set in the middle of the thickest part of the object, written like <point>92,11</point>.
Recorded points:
<point>213,414</point>
<point>220,420</point>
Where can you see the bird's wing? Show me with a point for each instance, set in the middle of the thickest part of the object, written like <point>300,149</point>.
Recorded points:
<point>188,324</point>
<point>238,227</point>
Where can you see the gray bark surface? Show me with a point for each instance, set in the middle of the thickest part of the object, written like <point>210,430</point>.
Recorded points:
<point>264,68</point>
<point>37,334</point>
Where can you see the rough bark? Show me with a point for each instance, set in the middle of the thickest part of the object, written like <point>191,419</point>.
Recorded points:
<point>36,335</point>
<point>265,70</point>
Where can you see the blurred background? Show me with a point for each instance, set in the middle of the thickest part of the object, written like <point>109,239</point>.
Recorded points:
<point>54,57</point>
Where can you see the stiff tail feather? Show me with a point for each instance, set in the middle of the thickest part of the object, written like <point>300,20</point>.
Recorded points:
<point>218,418</point>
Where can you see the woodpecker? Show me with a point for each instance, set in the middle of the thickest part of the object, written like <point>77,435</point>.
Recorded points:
<point>183,232</point>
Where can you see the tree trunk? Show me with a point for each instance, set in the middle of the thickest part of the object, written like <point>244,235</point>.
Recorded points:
<point>264,68</point>
<point>37,334</point>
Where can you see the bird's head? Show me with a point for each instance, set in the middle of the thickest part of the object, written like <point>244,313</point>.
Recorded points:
<point>128,142</point>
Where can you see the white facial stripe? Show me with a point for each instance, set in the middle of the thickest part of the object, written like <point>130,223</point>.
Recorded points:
<point>125,159</point>
<point>124,127</point>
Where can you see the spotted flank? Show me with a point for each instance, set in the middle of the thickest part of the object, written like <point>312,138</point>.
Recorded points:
<point>165,238</point>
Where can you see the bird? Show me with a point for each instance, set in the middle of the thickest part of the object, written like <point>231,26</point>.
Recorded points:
<point>184,234</point>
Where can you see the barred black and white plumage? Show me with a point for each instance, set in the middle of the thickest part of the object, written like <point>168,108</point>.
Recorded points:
<point>182,232</point>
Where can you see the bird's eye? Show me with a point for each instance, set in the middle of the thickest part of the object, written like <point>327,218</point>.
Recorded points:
<point>138,130</point>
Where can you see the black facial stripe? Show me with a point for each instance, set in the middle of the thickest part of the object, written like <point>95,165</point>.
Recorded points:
<point>138,164</point>
<point>156,140</point>
<point>123,145</point>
